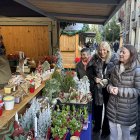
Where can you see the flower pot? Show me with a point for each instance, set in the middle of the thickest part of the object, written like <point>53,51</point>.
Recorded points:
<point>1,110</point>
<point>57,138</point>
<point>9,102</point>
<point>74,138</point>
<point>64,137</point>
<point>48,133</point>
<point>32,89</point>
<point>77,133</point>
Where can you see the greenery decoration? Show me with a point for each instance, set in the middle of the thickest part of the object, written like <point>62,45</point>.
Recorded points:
<point>75,125</point>
<point>58,132</point>
<point>5,134</point>
<point>27,120</point>
<point>56,75</point>
<point>20,138</point>
<point>66,83</point>
<point>52,88</point>
<point>44,122</point>
<point>72,33</point>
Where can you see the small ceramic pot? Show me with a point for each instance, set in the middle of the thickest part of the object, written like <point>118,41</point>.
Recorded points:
<point>32,89</point>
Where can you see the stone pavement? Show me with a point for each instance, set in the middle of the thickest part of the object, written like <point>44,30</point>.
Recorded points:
<point>97,136</point>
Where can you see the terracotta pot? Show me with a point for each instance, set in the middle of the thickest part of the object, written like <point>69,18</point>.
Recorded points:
<point>1,110</point>
<point>77,133</point>
<point>48,133</point>
<point>64,138</point>
<point>57,138</point>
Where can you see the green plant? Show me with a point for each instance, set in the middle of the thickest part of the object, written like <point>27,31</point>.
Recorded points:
<point>60,118</point>
<point>85,114</point>
<point>74,125</point>
<point>56,75</point>
<point>58,132</point>
<point>6,133</point>
<point>59,123</point>
<point>67,83</point>
<point>20,138</point>
<point>52,88</point>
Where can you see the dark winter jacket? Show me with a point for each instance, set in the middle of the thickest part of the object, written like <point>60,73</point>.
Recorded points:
<point>138,122</point>
<point>89,72</point>
<point>5,72</point>
<point>2,50</point>
<point>123,107</point>
<point>103,71</point>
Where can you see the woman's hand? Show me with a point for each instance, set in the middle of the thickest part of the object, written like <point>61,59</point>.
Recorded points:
<point>113,90</point>
<point>98,80</point>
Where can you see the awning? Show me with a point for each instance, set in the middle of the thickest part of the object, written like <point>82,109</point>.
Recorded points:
<point>84,11</point>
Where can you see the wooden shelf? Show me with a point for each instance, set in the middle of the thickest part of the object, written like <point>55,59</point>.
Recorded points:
<point>8,115</point>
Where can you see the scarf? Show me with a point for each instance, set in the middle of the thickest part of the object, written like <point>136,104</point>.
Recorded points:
<point>85,63</point>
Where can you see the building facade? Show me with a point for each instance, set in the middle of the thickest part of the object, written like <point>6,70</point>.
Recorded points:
<point>129,18</point>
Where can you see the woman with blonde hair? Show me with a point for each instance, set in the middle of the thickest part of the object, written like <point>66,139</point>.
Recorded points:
<point>103,64</point>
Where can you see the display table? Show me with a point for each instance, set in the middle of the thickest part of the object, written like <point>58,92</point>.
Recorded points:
<point>8,115</point>
<point>87,134</point>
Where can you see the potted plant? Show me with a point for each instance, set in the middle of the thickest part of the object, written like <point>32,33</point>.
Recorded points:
<point>52,88</point>
<point>67,82</point>
<point>85,115</point>
<point>59,133</point>
<point>74,96</point>
<point>32,86</point>
<point>56,75</point>
<point>75,127</point>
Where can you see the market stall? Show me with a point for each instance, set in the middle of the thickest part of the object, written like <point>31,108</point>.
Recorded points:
<point>61,111</point>
<point>8,115</point>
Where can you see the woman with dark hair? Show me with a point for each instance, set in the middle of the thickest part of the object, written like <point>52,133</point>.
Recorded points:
<point>85,66</point>
<point>138,122</point>
<point>124,89</point>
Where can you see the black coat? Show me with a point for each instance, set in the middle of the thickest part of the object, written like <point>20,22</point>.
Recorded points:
<point>99,65</point>
<point>138,122</point>
<point>89,72</point>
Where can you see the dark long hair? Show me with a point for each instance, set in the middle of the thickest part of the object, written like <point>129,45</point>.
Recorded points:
<point>133,53</point>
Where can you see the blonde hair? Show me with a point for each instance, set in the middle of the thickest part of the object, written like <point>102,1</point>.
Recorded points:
<point>106,45</point>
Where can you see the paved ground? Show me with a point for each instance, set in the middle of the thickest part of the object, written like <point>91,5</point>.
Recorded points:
<point>97,136</point>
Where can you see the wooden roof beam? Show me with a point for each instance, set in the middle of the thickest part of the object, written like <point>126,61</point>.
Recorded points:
<point>76,15</point>
<point>104,2</point>
<point>78,21</point>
